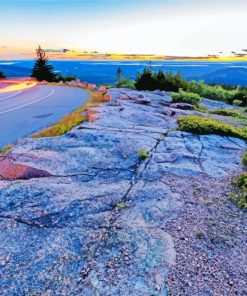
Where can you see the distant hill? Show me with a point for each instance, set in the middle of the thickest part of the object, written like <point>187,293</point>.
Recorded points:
<point>233,75</point>
<point>15,71</point>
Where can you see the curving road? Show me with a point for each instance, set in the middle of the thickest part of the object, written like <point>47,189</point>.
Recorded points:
<point>25,112</point>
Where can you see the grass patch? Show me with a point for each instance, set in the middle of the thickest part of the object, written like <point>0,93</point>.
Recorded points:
<point>143,154</point>
<point>120,205</point>
<point>62,127</point>
<point>239,192</point>
<point>73,119</point>
<point>205,125</point>
<point>228,112</point>
<point>186,97</point>
<point>6,148</point>
<point>201,108</point>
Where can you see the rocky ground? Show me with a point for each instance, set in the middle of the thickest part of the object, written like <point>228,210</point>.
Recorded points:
<point>82,214</point>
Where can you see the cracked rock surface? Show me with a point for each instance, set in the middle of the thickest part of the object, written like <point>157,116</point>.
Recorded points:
<point>92,218</point>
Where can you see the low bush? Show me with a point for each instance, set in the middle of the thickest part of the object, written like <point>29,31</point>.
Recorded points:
<point>201,108</point>
<point>125,83</point>
<point>214,92</point>
<point>239,192</point>
<point>244,159</point>
<point>227,112</point>
<point>65,78</point>
<point>185,97</point>
<point>238,116</point>
<point>205,125</point>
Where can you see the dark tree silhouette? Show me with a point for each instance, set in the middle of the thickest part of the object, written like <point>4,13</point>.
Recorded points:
<point>146,80</point>
<point>150,80</point>
<point>119,73</point>
<point>41,69</point>
<point>2,75</point>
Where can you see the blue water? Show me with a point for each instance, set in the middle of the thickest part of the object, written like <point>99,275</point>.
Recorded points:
<point>106,71</point>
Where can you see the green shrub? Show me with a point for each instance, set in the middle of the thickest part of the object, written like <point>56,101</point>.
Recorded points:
<point>65,78</point>
<point>186,97</point>
<point>244,159</point>
<point>151,80</point>
<point>125,83</point>
<point>242,95</point>
<point>227,112</point>
<point>239,192</point>
<point>237,102</point>
<point>215,92</point>
<point>143,153</point>
<point>205,125</point>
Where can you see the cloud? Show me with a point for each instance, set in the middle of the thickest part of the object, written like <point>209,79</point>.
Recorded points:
<point>239,54</point>
<point>64,50</point>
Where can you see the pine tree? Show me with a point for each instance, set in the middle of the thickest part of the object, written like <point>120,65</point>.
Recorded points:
<point>42,70</point>
<point>146,80</point>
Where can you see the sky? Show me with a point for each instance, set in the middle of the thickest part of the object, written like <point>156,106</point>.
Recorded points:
<point>164,27</point>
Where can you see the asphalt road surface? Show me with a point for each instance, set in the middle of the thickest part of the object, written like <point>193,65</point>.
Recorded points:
<point>25,112</point>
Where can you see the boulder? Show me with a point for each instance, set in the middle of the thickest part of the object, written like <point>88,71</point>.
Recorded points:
<point>124,97</point>
<point>143,101</point>
<point>92,115</point>
<point>158,93</point>
<point>92,86</point>
<point>83,84</point>
<point>102,88</point>
<point>14,171</point>
<point>183,106</point>
<point>169,112</point>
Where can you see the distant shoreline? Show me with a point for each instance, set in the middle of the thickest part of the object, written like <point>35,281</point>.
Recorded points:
<point>70,56</point>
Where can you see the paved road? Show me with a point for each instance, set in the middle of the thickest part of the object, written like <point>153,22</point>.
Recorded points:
<point>23,113</point>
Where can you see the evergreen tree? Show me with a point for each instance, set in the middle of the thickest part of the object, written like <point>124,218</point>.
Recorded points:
<point>150,80</point>
<point>42,70</point>
<point>146,80</point>
<point>2,75</point>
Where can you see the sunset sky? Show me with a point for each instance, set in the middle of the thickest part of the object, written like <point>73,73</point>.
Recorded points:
<point>168,27</point>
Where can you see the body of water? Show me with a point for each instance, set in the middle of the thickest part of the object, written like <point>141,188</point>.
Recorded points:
<point>101,72</point>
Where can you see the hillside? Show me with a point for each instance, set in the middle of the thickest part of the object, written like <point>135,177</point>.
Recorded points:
<point>15,71</point>
<point>235,75</point>
<point>125,204</point>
